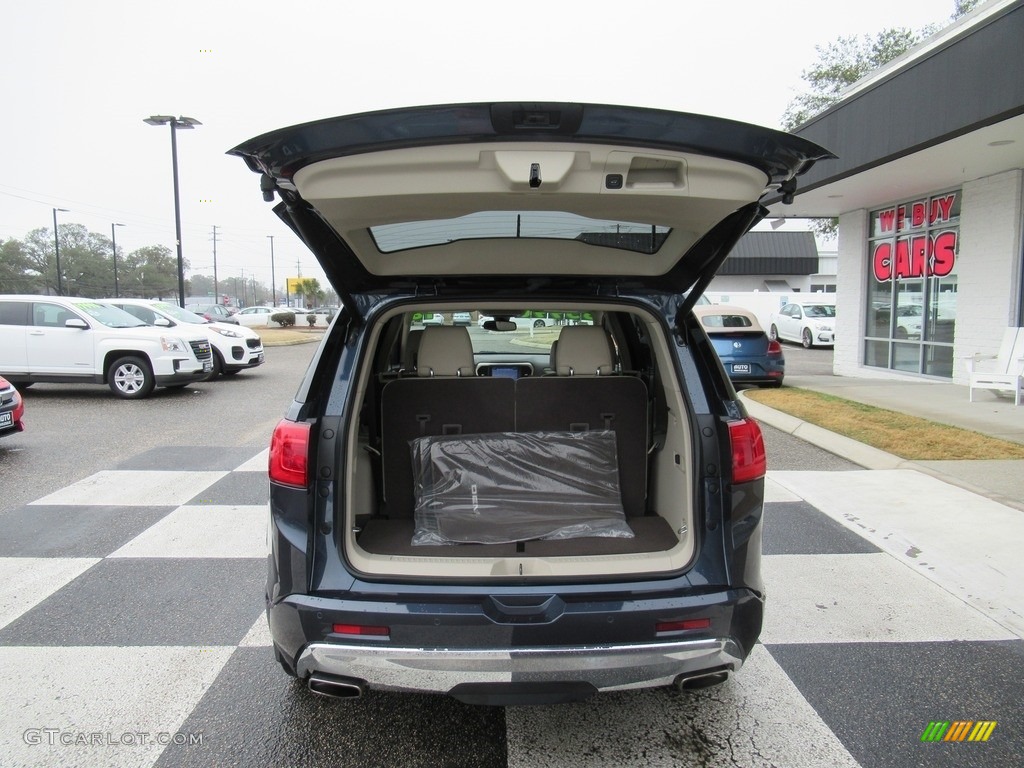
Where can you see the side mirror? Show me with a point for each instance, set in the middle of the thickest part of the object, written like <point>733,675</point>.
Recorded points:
<point>163,322</point>
<point>76,322</point>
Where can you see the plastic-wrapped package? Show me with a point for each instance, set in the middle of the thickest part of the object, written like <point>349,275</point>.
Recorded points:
<point>516,486</point>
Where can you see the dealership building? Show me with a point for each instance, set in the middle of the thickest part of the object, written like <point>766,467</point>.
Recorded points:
<point>929,191</point>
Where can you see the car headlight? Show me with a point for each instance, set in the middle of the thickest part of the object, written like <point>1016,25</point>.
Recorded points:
<point>226,332</point>
<point>823,326</point>
<point>172,344</point>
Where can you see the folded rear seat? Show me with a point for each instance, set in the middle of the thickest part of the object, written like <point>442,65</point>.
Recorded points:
<point>444,398</point>
<point>587,394</point>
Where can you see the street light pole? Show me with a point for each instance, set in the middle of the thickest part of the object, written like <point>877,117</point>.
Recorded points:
<point>56,248</point>
<point>113,247</point>
<point>176,123</point>
<point>273,284</point>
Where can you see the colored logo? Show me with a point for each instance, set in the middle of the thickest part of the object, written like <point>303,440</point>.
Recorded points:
<point>958,730</point>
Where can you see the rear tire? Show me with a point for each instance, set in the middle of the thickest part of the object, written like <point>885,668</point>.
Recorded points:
<point>807,338</point>
<point>130,378</point>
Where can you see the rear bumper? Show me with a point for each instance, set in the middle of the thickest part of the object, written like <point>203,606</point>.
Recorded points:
<point>603,642</point>
<point>435,670</point>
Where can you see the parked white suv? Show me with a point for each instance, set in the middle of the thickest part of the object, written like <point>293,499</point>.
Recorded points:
<point>235,347</point>
<point>73,340</point>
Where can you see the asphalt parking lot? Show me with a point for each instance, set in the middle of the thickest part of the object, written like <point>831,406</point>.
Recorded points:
<point>131,564</point>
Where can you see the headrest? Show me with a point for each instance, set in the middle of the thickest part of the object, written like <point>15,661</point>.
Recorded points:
<point>584,350</point>
<point>445,350</point>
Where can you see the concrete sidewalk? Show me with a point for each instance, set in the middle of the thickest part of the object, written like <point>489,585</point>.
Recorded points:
<point>946,403</point>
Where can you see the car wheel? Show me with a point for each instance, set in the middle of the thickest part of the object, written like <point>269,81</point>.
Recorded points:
<point>218,366</point>
<point>538,323</point>
<point>901,333</point>
<point>130,378</point>
<point>773,333</point>
<point>807,339</point>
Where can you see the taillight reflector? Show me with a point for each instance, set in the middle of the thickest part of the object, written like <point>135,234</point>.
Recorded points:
<point>774,348</point>
<point>289,451</point>
<point>678,626</point>
<point>361,629</point>
<point>748,458</point>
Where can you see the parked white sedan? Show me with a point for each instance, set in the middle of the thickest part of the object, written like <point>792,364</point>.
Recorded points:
<point>256,316</point>
<point>812,322</point>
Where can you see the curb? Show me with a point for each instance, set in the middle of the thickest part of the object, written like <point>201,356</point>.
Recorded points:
<point>859,453</point>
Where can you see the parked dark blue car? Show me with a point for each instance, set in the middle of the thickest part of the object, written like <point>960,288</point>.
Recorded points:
<point>746,352</point>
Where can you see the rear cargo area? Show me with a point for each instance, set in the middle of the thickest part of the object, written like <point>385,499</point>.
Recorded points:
<point>557,452</point>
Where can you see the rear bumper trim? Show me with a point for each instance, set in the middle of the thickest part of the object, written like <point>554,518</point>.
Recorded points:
<point>439,670</point>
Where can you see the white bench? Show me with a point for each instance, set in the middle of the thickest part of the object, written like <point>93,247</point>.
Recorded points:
<point>1003,372</point>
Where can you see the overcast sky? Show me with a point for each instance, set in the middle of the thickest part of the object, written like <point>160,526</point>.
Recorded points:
<point>79,77</point>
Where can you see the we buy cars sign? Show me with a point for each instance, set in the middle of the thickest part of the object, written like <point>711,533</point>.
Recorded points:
<point>926,254</point>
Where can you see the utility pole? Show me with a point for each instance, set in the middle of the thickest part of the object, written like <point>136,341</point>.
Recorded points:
<point>216,290</point>
<point>273,286</point>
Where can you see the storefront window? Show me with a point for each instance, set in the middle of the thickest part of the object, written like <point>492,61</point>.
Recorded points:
<point>914,248</point>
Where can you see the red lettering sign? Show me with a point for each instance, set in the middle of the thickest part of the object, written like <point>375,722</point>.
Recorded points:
<point>942,209</point>
<point>937,210</point>
<point>943,255</point>
<point>919,256</point>
<point>886,219</point>
<point>882,262</point>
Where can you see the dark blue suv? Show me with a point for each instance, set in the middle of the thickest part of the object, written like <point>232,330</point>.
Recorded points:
<point>513,513</point>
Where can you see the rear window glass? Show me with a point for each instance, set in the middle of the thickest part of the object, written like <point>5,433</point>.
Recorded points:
<point>535,330</point>
<point>626,235</point>
<point>726,321</point>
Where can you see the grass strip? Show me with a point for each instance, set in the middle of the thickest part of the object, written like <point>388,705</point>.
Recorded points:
<point>897,433</point>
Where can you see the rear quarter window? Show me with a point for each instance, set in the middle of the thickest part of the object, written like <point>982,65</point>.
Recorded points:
<point>14,313</point>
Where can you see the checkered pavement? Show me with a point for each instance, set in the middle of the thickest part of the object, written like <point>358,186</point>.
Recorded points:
<point>131,625</point>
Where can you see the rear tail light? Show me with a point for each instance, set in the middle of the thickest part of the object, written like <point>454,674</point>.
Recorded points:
<point>366,630</point>
<point>774,349</point>
<point>682,626</point>
<point>289,454</point>
<point>748,457</point>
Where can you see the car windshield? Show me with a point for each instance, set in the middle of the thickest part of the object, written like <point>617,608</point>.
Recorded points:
<point>179,314</point>
<point>820,310</point>
<point>112,317</point>
<point>630,236</point>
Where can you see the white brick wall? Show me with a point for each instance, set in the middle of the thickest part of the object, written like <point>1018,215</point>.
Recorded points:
<point>851,287</point>
<point>988,265</point>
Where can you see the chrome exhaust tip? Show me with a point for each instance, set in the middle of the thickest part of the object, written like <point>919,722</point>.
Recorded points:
<point>335,687</point>
<point>698,680</point>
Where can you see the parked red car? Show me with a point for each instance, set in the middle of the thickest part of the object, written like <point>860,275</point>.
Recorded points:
<point>12,409</point>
